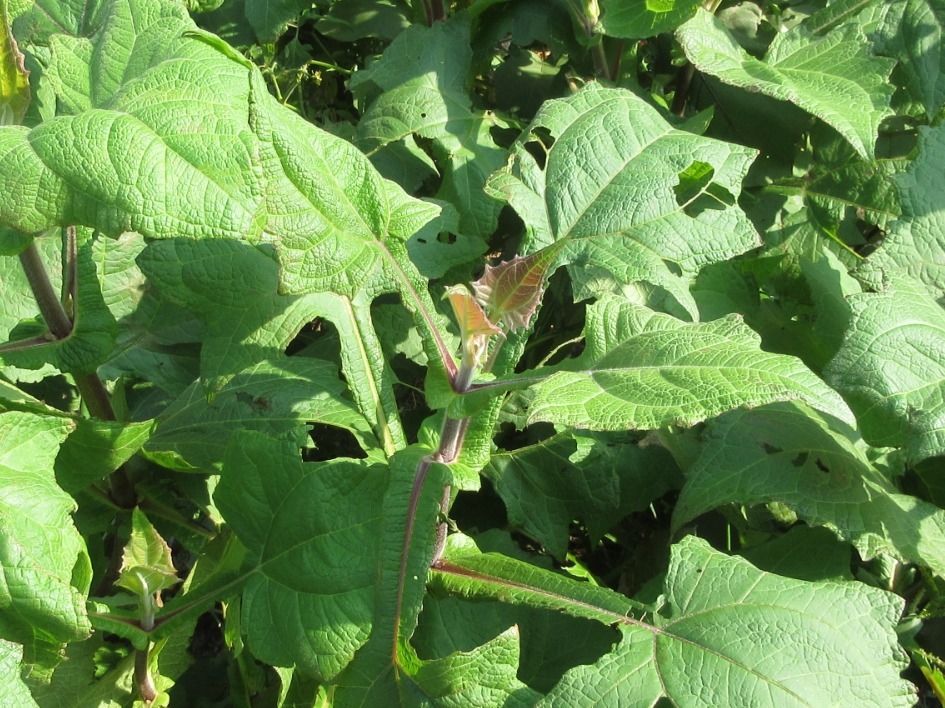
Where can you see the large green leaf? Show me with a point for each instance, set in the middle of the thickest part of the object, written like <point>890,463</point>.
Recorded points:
<point>729,635</point>
<point>643,370</point>
<point>259,172</point>
<point>891,369</point>
<point>44,568</point>
<point>833,77</point>
<point>603,175</point>
<point>915,244</point>
<point>233,288</point>
<point>313,530</point>
<point>419,88</point>
<point>406,544</point>
<point>789,454</point>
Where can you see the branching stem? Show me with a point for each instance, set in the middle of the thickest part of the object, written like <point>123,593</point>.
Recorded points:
<point>90,386</point>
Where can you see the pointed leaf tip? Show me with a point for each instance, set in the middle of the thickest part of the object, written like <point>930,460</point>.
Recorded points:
<point>512,290</point>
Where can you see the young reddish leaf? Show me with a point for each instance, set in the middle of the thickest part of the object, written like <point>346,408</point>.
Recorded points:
<point>512,290</point>
<point>474,325</point>
<point>14,84</point>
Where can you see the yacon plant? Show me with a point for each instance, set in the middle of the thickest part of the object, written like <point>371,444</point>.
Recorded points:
<point>180,230</point>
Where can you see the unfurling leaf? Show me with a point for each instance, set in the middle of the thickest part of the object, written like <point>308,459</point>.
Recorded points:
<point>511,291</point>
<point>475,327</point>
<point>146,565</point>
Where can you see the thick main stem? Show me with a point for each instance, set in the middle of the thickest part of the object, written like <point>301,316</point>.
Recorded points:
<point>452,435</point>
<point>143,680</point>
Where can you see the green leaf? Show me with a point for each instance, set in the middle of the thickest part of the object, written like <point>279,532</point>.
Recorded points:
<point>596,173</point>
<point>419,88</point>
<point>788,454</point>
<point>234,289</point>
<point>484,676</point>
<point>314,531</point>
<point>18,302</point>
<point>890,368</point>
<point>95,449</point>
<point>915,244</point>
<point>576,475</point>
<point>14,84</point>
<point>833,77</point>
<point>44,564</point>
<point>146,565</point>
<point>410,514</point>
<point>805,553</point>
<point>911,31</point>
<point>466,572</point>
<point>724,616</point>
<point>276,398</point>
<point>261,173</point>
<point>13,692</point>
<point>449,625</point>
<point>638,20</point>
<point>641,370</point>
<point>840,187</point>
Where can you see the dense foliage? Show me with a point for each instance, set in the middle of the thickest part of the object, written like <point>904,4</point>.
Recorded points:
<point>482,353</point>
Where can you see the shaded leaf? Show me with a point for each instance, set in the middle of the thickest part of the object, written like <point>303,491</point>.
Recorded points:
<point>313,530</point>
<point>915,244</point>
<point>638,20</point>
<point>911,31</point>
<point>419,87</point>
<point>449,625</point>
<point>351,20</point>
<point>891,368</point>
<point>276,398</point>
<point>14,84</point>
<point>95,449</point>
<point>94,329</point>
<point>788,454</point>
<point>577,475</point>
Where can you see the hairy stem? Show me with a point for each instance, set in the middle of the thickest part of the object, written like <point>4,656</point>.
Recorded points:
<point>143,680</point>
